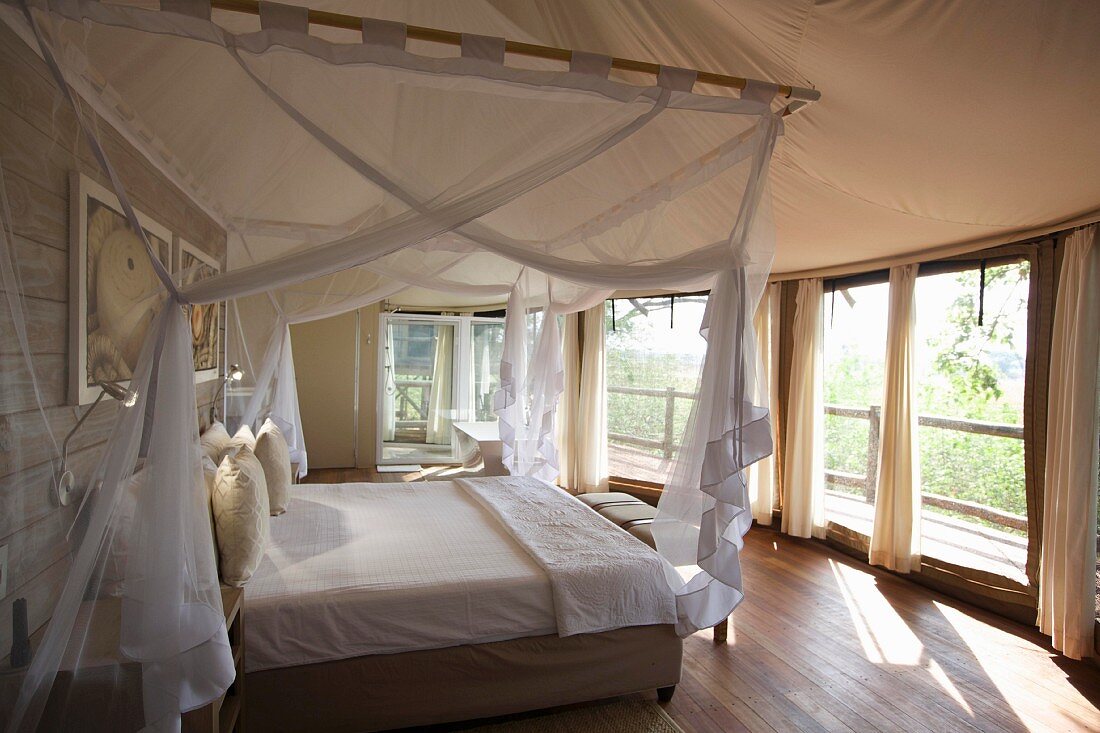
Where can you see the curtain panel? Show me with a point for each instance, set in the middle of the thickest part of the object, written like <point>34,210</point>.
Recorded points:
<point>763,475</point>
<point>1067,566</point>
<point>583,412</point>
<point>804,477</point>
<point>896,534</point>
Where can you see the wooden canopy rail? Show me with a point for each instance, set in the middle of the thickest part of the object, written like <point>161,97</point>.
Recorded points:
<point>452,38</point>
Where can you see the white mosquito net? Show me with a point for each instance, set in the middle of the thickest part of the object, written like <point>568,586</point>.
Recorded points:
<point>348,168</point>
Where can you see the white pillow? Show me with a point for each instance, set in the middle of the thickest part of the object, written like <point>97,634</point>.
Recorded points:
<point>240,515</point>
<point>214,442</point>
<point>274,455</point>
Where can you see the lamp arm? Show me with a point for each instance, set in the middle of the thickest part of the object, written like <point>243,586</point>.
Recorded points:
<point>214,404</point>
<point>65,444</point>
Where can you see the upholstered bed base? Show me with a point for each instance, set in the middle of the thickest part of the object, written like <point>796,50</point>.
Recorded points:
<point>386,691</point>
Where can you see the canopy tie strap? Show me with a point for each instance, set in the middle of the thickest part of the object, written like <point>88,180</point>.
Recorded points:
<point>385,33</point>
<point>582,62</point>
<point>277,16</point>
<point>981,295</point>
<point>485,48</point>
<point>676,79</point>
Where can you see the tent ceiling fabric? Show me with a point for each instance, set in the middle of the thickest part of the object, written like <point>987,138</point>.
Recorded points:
<point>942,124</point>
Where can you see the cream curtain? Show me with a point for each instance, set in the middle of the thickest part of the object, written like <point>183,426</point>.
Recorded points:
<point>568,406</point>
<point>804,505</point>
<point>583,411</point>
<point>762,475</point>
<point>895,536</point>
<point>439,402</point>
<point>1067,566</point>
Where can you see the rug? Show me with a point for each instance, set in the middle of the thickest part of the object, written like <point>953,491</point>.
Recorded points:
<point>621,716</point>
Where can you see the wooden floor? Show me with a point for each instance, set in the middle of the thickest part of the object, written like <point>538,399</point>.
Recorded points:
<point>823,642</point>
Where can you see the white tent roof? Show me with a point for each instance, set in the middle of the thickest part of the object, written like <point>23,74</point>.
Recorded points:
<point>941,123</point>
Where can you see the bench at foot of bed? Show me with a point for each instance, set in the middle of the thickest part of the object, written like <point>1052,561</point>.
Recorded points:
<point>636,517</point>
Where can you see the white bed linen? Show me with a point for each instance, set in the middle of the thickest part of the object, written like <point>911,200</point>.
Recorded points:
<point>602,577</point>
<point>355,569</point>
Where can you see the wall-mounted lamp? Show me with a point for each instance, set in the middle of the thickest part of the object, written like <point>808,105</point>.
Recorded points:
<point>234,374</point>
<point>65,478</point>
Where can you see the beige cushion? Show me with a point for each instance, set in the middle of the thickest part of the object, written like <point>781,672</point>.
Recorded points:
<point>209,475</point>
<point>240,515</point>
<point>243,437</point>
<point>214,442</point>
<point>274,455</point>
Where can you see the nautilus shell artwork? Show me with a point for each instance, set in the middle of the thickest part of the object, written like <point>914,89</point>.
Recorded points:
<point>124,293</point>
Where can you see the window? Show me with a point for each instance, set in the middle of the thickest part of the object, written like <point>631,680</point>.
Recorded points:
<point>855,350</point>
<point>970,396</point>
<point>654,353</point>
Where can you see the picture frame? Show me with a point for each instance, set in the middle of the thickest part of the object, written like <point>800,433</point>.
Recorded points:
<point>114,292</point>
<point>193,265</point>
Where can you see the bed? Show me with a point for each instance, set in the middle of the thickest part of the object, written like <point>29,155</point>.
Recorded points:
<point>380,606</point>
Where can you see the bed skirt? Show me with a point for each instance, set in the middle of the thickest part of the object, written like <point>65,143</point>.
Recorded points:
<point>385,691</point>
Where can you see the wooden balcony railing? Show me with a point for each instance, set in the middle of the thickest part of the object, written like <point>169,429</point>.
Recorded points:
<point>667,445</point>
<point>867,481</point>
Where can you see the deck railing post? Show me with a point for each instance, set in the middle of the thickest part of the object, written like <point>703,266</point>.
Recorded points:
<point>670,418</point>
<point>874,413</point>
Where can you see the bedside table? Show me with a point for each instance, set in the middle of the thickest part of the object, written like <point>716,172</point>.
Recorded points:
<point>100,620</point>
<point>227,714</point>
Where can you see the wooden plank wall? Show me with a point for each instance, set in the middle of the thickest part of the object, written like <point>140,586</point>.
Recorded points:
<point>39,147</point>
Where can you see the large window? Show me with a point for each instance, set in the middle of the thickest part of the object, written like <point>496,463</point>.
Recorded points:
<point>970,395</point>
<point>855,348</point>
<point>654,353</point>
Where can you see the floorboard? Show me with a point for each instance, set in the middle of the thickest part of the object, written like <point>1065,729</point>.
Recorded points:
<point>823,642</point>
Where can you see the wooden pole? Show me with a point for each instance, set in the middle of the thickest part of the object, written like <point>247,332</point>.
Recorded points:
<point>452,38</point>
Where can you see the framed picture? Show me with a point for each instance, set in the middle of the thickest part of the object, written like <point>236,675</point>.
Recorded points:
<point>114,292</point>
<point>192,265</point>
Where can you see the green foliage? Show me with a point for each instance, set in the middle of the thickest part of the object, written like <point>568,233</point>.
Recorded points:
<point>971,368</point>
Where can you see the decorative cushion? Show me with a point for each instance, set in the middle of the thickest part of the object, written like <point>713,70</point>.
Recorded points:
<point>241,512</point>
<point>214,442</point>
<point>243,437</point>
<point>274,455</point>
<point>209,475</point>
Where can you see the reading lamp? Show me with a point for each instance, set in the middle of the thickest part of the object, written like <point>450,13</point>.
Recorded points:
<point>65,478</point>
<point>234,374</point>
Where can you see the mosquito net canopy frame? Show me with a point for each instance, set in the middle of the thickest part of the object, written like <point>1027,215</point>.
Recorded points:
<point>350,170</point>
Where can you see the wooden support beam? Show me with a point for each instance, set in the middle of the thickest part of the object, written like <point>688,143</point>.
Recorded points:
<point>533,50</point>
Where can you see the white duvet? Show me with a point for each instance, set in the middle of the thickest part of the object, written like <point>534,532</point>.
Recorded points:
<point>356,569</point>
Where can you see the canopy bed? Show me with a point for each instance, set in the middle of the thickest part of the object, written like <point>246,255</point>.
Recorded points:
<point>418,604</point>
<point>348,169</point>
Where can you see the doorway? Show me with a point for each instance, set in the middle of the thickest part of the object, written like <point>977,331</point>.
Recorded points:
<point>434,371</point>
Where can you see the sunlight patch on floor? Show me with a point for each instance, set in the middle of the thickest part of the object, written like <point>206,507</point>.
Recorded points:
<point>884,635</point>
